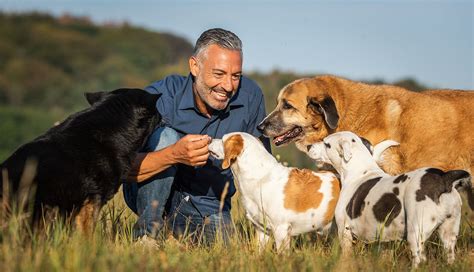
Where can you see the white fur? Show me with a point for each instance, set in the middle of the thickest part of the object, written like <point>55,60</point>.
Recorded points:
<point>416,220</point>
<point>261,180</point>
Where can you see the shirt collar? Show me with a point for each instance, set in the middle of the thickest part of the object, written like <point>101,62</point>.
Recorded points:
<point>187,100</point>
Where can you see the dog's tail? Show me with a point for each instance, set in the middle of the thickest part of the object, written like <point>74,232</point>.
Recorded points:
<point>380,148</point>
<point>461,180</point>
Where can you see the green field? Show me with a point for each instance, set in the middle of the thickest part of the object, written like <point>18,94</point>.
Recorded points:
<point>111,248</point>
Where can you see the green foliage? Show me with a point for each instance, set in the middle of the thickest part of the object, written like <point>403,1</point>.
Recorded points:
<point>47,61</point>
<point>20,126</point>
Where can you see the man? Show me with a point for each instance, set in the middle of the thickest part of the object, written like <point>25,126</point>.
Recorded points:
<point>175,167</point>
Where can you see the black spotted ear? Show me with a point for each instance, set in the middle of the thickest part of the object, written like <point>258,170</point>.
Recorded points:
<point>93,98</point>
<point>368,145</point>
<point>326,107</point>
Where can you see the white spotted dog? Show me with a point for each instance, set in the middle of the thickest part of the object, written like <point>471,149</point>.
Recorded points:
<point>279,200</point>
<point>374,205</point>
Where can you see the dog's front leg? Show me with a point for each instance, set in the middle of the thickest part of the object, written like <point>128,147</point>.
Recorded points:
<point>345,238</point>
<point>262,240</point>
<point>282,238</point>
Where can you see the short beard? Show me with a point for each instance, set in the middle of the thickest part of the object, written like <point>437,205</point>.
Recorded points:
<point>202,90</point>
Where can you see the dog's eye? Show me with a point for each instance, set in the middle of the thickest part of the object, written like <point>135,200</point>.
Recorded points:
<point>287,106</point>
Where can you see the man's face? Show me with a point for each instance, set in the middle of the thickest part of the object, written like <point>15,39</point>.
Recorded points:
<point>217,73</point>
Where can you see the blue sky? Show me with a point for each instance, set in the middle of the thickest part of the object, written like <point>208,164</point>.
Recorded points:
<point>431,41</point>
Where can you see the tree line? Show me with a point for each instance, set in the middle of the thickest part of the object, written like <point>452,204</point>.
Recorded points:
<point>47,63</point>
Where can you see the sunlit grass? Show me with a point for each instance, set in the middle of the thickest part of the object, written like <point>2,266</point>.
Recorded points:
<point>60,248</point>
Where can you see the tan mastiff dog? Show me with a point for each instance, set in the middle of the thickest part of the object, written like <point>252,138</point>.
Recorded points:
<point>434,128</point>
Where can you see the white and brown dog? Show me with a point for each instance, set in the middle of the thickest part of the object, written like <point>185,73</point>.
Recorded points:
<point>284,201</point>
<point>374,205</point>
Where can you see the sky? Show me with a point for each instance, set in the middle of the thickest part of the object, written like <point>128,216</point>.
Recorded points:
<point>430,41</point>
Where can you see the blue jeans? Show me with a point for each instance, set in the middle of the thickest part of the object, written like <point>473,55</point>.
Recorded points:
<point>149,198</point>
<point>188,222</point>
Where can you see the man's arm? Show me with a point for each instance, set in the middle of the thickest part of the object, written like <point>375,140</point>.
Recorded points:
<point>190,150</point>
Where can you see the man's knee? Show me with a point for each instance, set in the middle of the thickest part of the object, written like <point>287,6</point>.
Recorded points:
<point>161,138</point>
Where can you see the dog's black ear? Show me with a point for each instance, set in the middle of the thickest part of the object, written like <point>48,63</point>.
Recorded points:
<point>155,97</point>
<point>368,144</point>
<point>92,98</point>
<point>327,107</point>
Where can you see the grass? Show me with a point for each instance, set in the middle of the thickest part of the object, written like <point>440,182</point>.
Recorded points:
<point>60,248</point>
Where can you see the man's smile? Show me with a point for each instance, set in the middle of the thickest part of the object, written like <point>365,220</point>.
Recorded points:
<point>221,96</point>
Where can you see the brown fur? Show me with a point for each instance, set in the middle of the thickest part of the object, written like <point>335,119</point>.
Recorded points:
<point>434,128</point>
<point>336,189</point>
<point>87,216</point>
<point>233,146</point>
<point>302,191</point>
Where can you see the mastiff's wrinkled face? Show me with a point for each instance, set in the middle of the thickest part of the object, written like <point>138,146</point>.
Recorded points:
<point>305,114</point>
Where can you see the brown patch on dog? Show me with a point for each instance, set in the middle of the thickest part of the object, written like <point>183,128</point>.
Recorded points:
<point>336,189</point>
<point>302,191</point>
<point>87,216</point>
<point>233,146</point>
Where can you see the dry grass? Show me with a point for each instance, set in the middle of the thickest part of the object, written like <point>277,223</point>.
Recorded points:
<point>61,249</point>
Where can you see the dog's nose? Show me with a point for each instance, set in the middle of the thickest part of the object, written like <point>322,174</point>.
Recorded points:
<point>308,147</point>
<point>261,126</point>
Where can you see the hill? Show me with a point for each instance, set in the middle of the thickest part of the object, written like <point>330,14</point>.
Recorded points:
<point>47,63</point>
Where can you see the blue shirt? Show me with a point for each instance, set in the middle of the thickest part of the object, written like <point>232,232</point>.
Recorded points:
<point>245,111</point>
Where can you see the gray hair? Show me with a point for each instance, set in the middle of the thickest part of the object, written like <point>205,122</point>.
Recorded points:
<point>223,38</point>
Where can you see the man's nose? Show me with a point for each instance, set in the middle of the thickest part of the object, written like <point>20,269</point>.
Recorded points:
<point>227,84</point>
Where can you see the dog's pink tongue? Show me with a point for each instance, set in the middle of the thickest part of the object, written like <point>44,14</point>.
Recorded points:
<point>277,140</point>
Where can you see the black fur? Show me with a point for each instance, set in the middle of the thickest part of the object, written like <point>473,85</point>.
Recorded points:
<point>387,208</point>
<point>368,145</point>
<point>86,155</point>
<point>357,203</point>
<point>400,178</point>
<point>436,182</point>
<point>327,107</point>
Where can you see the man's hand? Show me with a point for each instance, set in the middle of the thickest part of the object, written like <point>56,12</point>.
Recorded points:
<point>192,150</point>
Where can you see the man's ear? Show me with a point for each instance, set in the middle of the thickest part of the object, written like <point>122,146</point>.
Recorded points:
<point>194,66</point>
<point>233,146</point>
<point>93,98</point>
<point>326,107</point>
<point>345,150</point>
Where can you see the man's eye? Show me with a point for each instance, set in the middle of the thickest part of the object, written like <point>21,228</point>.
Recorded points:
<point>218,75</point>
<point>287,106</point>
<point>236,77</point>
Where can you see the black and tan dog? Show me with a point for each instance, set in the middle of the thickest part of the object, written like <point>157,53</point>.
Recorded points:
<point>433,127</point>
<point>80,162</point>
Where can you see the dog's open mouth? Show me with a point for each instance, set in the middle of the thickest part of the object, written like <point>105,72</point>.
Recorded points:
<point>288,136</point>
